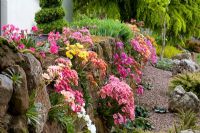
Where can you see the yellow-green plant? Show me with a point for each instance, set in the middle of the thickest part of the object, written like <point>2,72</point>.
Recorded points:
<point>169,51</point>
<point>189,81</point>
<point>187,120</point>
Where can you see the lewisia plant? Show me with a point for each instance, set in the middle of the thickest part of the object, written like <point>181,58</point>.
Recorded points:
<point>65,78</point>
<point>23,40</point>
<point>120,92</point>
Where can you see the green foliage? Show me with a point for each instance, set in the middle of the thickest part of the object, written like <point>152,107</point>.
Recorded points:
<point>50,3</point>
<point>187,120</point>
<point>141,112</point>
<point>165,64</point>
<point>13,75</point>
<point>50,17</point>
<point>56,25</point>
<point>32,113</point>
<point>49,14</point>
<point>105,27</point>
<point>126,9</point>
<point>95,10</point>
<point>169,51</point>
<point>189,81</point>
<point>180,16</point>
<point>59,112</point>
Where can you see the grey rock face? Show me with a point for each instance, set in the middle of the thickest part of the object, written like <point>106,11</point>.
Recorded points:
<point>6,91</point>
<point>33,70</point>
<point>179,99</point>
<point>184,65</point>
<point>20,100</point>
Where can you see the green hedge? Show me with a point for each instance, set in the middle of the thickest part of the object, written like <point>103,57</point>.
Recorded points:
<point>50,3</point>
<point>49,14</point>
<point>56,25</point>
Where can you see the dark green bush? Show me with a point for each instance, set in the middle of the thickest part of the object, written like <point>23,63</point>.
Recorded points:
<point>50,17</point>
<point>53,26</point>
<point>50,3</point>
<point>189,81</point>
<point>49,14</point>
<point>105,27</point>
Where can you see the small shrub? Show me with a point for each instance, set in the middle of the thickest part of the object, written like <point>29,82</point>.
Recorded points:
<point>50,17</point>
<point>105,27</point>
<point>49,14</point>
<point>189,81</point>
<point>169,51</point>
<point>165,64</point>
<point>56,25</point>
<point>50,3</point>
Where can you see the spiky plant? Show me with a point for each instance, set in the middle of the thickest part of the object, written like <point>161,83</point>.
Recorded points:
<point>187,120</point>
<point>32,113</point>
<point>13,75</point>
<point>189,81</point>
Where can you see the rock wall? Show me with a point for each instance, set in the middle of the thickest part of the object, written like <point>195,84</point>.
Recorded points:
<point>20,75</point>
<point>15,91</point>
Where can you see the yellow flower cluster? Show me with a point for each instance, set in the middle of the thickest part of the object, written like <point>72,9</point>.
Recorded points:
<point>77,50</point>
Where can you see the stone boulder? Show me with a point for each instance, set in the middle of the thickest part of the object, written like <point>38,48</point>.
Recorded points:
<point>180,99</point>
<point>19,102</point>
<point>6,91</point>
<point>182,56</point>
<point>184,65</point>
<point>104,46</point>
<point>18,124</point>
<point>190,131</point>
<point>8,55</point>
<point>33,70</point>
<point>43,105</point>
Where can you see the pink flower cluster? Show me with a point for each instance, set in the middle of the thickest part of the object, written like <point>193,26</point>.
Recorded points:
<point>144,47</point>
<point>121,92</point>
<point>127,67</point>
<point>65,78</point>
<point>97,63</point>
<point>20,38</point>
<point>52,39</point>
<point>77,36</point>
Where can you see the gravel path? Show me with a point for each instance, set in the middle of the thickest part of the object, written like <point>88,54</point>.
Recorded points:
<point>157,96</point>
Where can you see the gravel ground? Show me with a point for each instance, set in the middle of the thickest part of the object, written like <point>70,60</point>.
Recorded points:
<point>157,96</point>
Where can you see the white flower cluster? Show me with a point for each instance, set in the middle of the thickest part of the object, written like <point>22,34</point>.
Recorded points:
<point>82,114</point>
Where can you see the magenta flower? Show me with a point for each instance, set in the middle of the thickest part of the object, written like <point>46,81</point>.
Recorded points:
<point>34,28</point>
<point>140,90</point>
<point>119,45</point>
<point>54,48</point>
<point>21,46</point>
<point>32,49</point>
<point>42,54</point>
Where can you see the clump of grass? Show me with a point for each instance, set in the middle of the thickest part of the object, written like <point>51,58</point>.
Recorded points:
<point>169,51</point>
<point>105,27</point>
